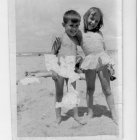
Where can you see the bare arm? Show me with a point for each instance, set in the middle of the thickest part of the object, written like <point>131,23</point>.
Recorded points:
<point>104,46</point>
<point>56,46</point>
<point>80,39</point>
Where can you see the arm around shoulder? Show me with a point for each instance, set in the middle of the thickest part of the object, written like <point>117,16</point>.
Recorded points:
<point>103,40</point>
<point>56,45</point>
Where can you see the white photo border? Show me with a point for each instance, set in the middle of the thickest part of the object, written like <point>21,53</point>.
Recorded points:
<point>129,72</point>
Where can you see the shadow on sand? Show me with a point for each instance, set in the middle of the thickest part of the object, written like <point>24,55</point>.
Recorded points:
<point>98,111</point>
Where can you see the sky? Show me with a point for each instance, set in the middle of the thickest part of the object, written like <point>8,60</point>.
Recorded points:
<point>38,20</point>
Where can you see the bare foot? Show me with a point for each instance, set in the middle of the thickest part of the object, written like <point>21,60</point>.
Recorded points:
<point>56,123</point>
<point>115,120</point>
<point>80,120</point>
<point>90,114</point>
<point>114,117</point>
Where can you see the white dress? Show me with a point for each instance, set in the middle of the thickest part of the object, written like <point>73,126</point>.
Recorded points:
<point>64,65</point>
<point>96,56</point>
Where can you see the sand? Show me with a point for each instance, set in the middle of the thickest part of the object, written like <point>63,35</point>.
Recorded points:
<point>35,107</point>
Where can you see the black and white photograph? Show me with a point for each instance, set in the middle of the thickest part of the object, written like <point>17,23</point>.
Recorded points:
<point>67,69</point>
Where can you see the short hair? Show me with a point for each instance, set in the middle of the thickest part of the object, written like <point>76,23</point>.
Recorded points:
<point>85,18</point>
<point>71,15</point>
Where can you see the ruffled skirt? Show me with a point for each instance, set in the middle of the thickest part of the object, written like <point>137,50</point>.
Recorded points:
<point>96,61</point>
<point>63,66</point>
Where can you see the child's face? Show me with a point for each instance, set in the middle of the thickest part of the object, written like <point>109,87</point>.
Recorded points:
<point>93,20</point>
<point>71,28</point>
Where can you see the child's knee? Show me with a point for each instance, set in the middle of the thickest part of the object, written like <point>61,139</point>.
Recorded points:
<point>90,90</point>
<point>107,91</point>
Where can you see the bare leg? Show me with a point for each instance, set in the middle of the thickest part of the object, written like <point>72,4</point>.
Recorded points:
<point>90,80</point>
<point>58,115</point>
<point>59,83</point>
<point>75,110</point>
<point>105,82</point>
<point>77,118</point>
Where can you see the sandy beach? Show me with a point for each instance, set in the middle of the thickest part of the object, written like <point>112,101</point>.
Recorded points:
<point>35,106</point>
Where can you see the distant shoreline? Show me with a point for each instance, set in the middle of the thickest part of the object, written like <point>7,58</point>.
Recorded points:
<point>27,54</point>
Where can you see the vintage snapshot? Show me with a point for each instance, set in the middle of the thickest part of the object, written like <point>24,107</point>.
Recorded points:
<point>67,71</point>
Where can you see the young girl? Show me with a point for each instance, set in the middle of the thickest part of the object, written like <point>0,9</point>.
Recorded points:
<point>96,60</point>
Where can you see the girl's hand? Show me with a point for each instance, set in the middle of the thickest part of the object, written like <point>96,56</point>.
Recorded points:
<point>100,62</point>
<point>79,59</point>
<point>111,70</point>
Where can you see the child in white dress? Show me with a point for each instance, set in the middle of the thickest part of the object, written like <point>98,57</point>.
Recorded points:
<point>97,60</point>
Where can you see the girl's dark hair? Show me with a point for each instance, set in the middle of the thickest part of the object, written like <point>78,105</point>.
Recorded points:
<point>71,15</point>
<point>86,15</point>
